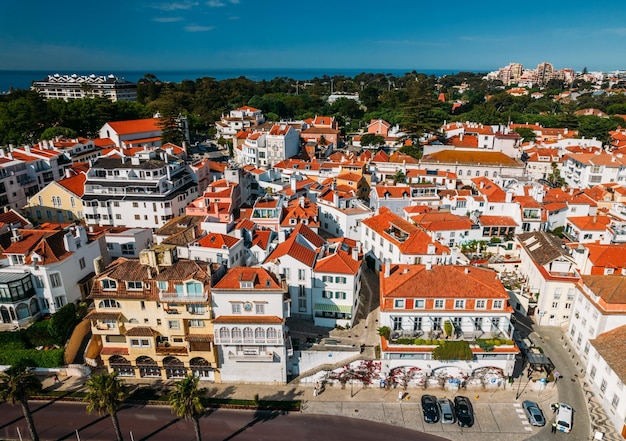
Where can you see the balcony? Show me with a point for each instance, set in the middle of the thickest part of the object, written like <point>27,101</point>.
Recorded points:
<point>251,356</point>
<point>176,297</point>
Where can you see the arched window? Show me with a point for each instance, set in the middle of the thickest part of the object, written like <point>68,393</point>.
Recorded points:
<point>259,334</point>
<point>224,334</point>
<point>108,303</point>
<point>22,311</point>
<point>236,334</point>
<point>247,335</point>
<point>272,333</point>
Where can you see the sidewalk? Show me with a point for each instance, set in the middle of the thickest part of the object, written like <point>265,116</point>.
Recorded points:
<point>498,412</point>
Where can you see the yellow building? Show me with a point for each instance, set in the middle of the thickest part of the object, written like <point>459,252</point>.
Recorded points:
<point>152,316</point>
<point>59,201</point>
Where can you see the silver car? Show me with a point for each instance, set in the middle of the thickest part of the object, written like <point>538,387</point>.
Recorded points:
<point>534,413</point>
<point>446,410</point>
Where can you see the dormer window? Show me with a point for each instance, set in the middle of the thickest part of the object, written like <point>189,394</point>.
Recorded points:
<point>246,284</point>
<point>134,285</point>
<point>108,284</point>
<point>17,259</point>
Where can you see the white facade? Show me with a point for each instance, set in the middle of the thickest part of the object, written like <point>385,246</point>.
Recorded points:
<point>127,243</point>
<point>145,191</point>
<point>281,142</point>
<point>253,347</point>
<point>342,219</point>
<point>584,170</point>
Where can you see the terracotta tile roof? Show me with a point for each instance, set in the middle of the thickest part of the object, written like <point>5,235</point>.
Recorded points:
<point>441,221</point>
<point>47,244</point>
<point>611,289</point>
<point>11,217</point>
<point>400,158</point>
<point>471,157</point>
<point>246,224</point>
<point>141,331</point>
<point>295,249</point>
<point>136,126</point>
<point>123,270</point>
<point>261,279</point>
<point>380,156</point>
<point>218,240</point>
<point>114,351</point>
<point>416,240</point>
<point>339,262</point>
<point>75,184</point>
<point>489,189</point>
<point>309,235</point>
<point>497,221</point>
<point>261,238</point>
<point>611,346</point>
<point>542,247</point>
<point>441,281</point>
<point>590,223</point>
<point>101,315</point>
<point>605,159</point>
<point>251,319</point>
<point>607,255</point>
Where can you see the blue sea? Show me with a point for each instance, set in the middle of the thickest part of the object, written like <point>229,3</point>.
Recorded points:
<point>22,79</point>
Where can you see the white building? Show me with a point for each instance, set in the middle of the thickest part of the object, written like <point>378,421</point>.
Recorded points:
<point>551,277</point>
<point>217,248</point>
<point>250,308</point>
<point>144,191</point>
<point>585,170</point>
<point>72,87</point>
<point>61,264</point>
<point>127,242</point>
<point>242,118</point>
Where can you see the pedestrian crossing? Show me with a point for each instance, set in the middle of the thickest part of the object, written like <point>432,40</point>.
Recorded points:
<point>522,415</point>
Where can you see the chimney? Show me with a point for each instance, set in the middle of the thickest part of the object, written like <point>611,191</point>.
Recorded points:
<point>293,181</point>
<point>68,173</point>
<point>355,253</point>
<point>467,270</point>
<point>387,265</point>
<point>335,198</point>
<point>508,197</point>
<point>302,201</point>
<point>429,265</point>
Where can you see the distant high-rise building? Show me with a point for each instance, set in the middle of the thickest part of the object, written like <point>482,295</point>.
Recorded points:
<point>544,72</point>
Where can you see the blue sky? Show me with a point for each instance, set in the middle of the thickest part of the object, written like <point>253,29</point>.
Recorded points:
<point>225,34</point>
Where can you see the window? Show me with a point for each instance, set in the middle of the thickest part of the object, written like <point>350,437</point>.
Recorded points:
<point>108,303</point>
<point>173,324</point>
<point>139,343</point>
<point>555,305</point>
<point>196,309</point>
<point>194,289</point>
<point>236,307</point>
<point>162,285</point>
<point>56,201</point>
<point>259,308</point>
<point>301,274</point>
<point>340,280</point>
<point>603,385</point>
<point>478,323</point>
<point>557,293</point>
<point>481,304</point>
<point>419,304</point>
<point>327,279</point>
<point>398,303</point>
<point>55,280</point>
<point>439,304</point>
<point>196,323</point>
<point>615,400</point>
<point>81,263</point>
<point>497,304</point>
<point>340,295</point>
<point>108,284</point>
<point>459,304</point>
<point>396,323</point>
<point>327,294</point>
<point>128,248</point>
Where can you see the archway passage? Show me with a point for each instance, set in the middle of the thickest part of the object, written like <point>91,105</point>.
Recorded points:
<point>202,369</point>
<point>121,366</point>
<point>148,368</point>
<point>174,368</point>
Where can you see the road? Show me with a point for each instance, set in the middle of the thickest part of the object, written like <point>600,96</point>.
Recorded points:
<point>63,420</point>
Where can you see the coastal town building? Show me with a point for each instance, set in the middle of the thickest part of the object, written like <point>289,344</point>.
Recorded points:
<point>73,87</point>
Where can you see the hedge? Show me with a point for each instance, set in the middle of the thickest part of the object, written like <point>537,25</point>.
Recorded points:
<point>32,357</point>
<point>453,350</point>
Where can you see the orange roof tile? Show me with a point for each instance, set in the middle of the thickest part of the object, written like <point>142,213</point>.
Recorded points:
<point>261,279</point>
<point>218,240</point>
<point>136,126</point>
<point>75,184</point>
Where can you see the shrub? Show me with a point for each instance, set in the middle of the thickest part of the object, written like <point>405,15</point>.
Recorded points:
<point>38,334</point>
<point>453,350</point>
<point>32,357</point>
<point>62,322</point>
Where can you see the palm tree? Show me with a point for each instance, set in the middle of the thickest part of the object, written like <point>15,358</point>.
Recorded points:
<point>105,394</point>
<point>186,401</point>
<point>17,384</point>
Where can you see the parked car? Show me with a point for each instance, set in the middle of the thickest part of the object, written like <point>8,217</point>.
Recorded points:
<point>446,410</point>
<point>430,408</point>
<point>534,413</point>
<point>464,411</point>
<point>564,418</point>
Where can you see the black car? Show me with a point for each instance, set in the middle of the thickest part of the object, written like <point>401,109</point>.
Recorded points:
<point>430,409</point>
<point>464,411</point>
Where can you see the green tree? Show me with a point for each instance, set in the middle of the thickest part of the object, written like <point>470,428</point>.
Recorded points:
<point>372,140</point>
<point>526,134</point>
<point>105,394</point>
<point>53,132</point>
<point>399,177</point>
<point>555,177</point>
<point>186,402</point>
<point>17,385</point>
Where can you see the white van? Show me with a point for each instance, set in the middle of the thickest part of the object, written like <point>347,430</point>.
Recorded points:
<point>564,418</point>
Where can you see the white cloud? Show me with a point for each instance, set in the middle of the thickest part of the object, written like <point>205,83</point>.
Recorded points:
<point>614,31</point>
<point>174,6</point>
<point>234,2</point>
<point>215,3</point>
<point>233,18</point>
<point>167,19</point>
<point>197,28</point>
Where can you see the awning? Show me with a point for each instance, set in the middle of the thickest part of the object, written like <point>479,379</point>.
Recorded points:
<point>330,307</point>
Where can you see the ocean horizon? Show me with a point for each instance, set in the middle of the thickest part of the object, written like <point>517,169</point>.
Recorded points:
<point>22,79</point>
